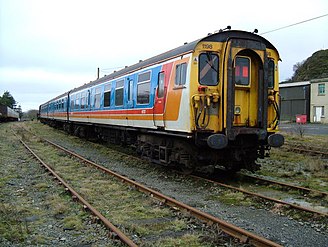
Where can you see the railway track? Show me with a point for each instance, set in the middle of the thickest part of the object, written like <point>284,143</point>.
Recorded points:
<point>75,195</point>
<point>304,190</point>
<point>258,195</point>
<point>236,232</point>
<point>315,151</point>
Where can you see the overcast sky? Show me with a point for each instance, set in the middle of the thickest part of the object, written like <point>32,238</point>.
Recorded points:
<point>48,47</point>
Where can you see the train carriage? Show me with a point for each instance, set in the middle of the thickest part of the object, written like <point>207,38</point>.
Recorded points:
<point>8,114</point>
<point>212,102</point>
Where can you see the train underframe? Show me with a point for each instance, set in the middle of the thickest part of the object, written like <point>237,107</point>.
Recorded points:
<point>174,150</point>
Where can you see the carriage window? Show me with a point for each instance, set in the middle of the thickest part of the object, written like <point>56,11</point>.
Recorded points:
<point>77,101</point>
<point>130,90</point>
<point>208,69</point>
<point>143,88</point>
<point>97,98</point>
<point>82,100</point>
<point>160,92</point>
<point>180,74</point>
<point>107,92</point>
<point>242,69</point>
<point>72,102</point>
<point>271,74</point>
<point>119,93</point>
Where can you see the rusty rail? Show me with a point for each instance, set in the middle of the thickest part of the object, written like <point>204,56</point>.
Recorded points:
<point>261,196</point>
<point>232,230</point>
<point>295,187</point>
<point>125,239</point>
<point>290,146</point>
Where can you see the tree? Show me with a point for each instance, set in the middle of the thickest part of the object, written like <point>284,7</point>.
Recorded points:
<point>297,66</point>
<point>8,100</point>
<point>31,114</point>
<point>19,110</point>
<point>314,67</point>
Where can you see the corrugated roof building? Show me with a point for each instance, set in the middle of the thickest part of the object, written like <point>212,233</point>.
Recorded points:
<point>295,100</point>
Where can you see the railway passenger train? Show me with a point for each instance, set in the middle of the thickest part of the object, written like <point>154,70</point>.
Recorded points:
<point>8,114</point>
<point>209,103</point>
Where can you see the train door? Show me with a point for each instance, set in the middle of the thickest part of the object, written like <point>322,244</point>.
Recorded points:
<point>161,94</point>
<point>129,96</point>
<point>88,104</point>
<point>67,101</point>
<point>247,88</point>
<point>159,104</point>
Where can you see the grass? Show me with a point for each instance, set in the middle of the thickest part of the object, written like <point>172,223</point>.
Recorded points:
<point>30,200</point>
<point>41,186</point>
<point>124,205</point>
<point>186,240</point>
<point>158,227</point>
<point>302,169</point>
<point>12,227</point>
<point>73,222</point>
<point>118,202</point>
<point>235,198</point>
<point>57,203</point>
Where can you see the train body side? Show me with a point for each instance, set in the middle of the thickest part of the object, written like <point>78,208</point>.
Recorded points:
<point>116,102</point>
<point>8,114</point>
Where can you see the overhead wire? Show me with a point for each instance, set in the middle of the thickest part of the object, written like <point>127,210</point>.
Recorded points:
<point>111,69</point>
<point>294,24</point>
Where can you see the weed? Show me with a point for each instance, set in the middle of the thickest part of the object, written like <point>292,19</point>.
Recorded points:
<point>12,227</point>
<point>235,198</point>
<point>57,204</point>
<point>41,186</point>
<point>73,222</point>
<point>40,240</point>
<point>185,240</point>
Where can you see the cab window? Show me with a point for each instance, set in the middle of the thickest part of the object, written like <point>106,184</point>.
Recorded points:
<point>208,69</point>
<point>242,71</point>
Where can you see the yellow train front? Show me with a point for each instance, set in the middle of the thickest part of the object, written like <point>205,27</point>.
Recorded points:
<point>234,99</point>
<point>209,103</point>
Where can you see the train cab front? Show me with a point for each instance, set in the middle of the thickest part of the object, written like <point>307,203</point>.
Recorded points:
<point>252,96</point>
<point>238,99</point>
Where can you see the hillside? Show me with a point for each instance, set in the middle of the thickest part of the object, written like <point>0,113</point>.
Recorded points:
<point>314,67</point>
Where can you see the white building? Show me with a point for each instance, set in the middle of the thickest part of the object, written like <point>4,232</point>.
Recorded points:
<point>319,101</point>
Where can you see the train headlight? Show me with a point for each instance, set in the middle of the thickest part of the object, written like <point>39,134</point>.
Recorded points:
<point>237,110</point>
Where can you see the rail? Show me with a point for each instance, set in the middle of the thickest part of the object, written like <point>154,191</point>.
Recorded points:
<point>125,239</point>
<point>243,235</point>
<point>295,187</point>
<point>261,196</point>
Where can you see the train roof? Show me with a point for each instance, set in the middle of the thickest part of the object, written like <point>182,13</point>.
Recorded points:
<point>179,51</point>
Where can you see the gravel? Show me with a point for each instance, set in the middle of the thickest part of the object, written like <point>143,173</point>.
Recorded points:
<point>279,228</point>
<point>27,216</point>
